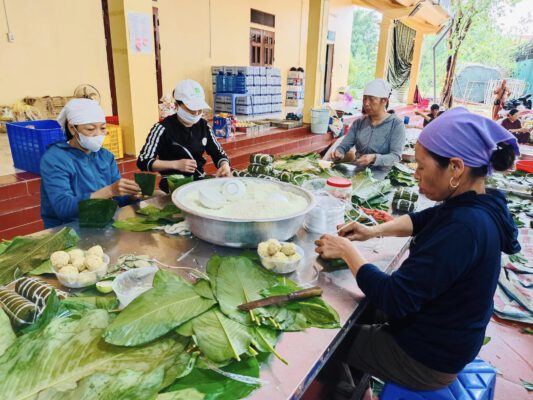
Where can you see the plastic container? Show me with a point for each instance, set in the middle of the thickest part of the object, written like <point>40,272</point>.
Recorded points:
<point>240,83</point>
<point>131,284</point>
<point>326,216</point>
<point>319,120</point>
<point>221,82</point>
<point>112,119</point>
<point>230,83</point>
<point>406,119</point>
<point>113,141</point>
<point>283,267</point>
<point>73,282</point>
<point>29,140</point>
<point>341,188</point>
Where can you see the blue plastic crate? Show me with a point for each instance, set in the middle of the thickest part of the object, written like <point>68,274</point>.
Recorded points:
<point>475,382</point>
<point>29,139</point>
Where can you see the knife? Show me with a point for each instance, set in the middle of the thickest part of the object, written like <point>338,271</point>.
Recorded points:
<point>268,301</point>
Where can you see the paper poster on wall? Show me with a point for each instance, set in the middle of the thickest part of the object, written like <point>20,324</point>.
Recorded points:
<point>140,32</point>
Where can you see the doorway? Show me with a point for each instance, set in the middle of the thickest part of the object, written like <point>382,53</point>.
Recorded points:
<point>330,48</point>
<point>157,48</point>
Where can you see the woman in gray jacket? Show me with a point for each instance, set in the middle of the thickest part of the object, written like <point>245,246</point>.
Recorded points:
<point>379,137</point>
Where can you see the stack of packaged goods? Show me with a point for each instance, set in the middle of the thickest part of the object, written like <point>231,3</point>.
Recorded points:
<point>262,83</point>
<point>295,88</point>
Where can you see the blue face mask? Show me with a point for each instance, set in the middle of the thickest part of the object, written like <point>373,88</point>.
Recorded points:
<point>91,143</point>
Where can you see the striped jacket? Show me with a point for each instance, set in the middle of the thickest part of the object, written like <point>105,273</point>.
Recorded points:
<point>170,140</point>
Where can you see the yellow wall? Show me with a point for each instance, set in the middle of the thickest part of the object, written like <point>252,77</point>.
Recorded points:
<point>185,37</point>
<point>58,45</point>
<point>340,21</point>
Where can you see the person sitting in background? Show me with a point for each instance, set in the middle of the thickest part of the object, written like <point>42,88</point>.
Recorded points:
<point>80,169</point>
<point>433,113</point>
<point>440,300</point>
<point>502,94</point>
<point>379,137</point>
<point>177,144</point>
<point>513,124</point>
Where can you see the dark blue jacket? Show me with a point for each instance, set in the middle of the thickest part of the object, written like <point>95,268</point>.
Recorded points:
<point>68,176</point>
<point>440,299</point>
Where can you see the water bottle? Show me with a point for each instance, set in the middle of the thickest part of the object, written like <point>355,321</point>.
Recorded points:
<point>221,82</point>
<point>240,83</point>
<point>230,83</point>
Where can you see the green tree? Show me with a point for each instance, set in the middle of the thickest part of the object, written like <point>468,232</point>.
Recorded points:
<point>365,35</point>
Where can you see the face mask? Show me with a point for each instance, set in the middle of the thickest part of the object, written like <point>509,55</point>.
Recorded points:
<point>187,117</point>
<point>91,143</point>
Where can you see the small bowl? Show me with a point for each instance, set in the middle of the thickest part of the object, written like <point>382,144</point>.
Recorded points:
<point>282,267</point>
<point>92,276</point>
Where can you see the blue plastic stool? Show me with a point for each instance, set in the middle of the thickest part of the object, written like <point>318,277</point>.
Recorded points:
<point>475,382</point>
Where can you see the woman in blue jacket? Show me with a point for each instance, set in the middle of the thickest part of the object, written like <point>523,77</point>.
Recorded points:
<point>439,301</point>
<point>79,169</point>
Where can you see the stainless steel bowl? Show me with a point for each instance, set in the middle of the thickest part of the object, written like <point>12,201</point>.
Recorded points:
<point>234,232</point>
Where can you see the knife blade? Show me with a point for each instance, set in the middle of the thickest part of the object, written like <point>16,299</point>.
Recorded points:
<point>268,301</point>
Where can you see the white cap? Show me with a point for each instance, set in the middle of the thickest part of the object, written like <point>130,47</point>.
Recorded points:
<point>191,94</point>
<point>378,88</point>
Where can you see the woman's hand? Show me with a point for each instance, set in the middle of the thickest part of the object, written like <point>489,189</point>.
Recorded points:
<point>329,246</point>
<point>224,170</point>
<point>337,156</point>
<point>356,231</point>
<point>365,160</point>
<point>186,165</point>
<point>124,187</point>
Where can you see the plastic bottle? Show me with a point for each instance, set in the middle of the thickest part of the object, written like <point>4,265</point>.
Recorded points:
<point>221,82</point>
<point>230,83</point>
<point>240,83</point>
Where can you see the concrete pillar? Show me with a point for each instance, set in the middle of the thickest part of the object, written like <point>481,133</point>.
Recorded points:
<point>415,66</point>
<point>316,55</point>
<point>135,74</point>
<point>384,44</point>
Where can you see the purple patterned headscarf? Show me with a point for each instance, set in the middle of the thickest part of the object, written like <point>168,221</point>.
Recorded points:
<point>471,137</point>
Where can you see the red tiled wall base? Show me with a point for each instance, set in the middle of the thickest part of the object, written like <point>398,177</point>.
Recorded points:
<point>20,193</point>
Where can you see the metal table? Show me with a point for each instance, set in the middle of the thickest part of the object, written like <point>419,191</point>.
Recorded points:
<point>307,351</point>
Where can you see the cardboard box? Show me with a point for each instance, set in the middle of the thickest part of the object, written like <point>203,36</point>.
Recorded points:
<point>268,99</point>
<point>295,82</point>
<point>244,101</point>
<point>262,71</point>
<point>257,80</point>
<point>295,88</point>
<point>220,107</point>
<point>276,71</point>
<point>249,80</point>
<point>268,108</point>
<point>269,81</point>
<point>244,110</point>
<point>223,99</point>
<point>263,90</point>
<point>263,81</point>
<point>294,103</point>
<point>296,74</point>
<point>294,95</point>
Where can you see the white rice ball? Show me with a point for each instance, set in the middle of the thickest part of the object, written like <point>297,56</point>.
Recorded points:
<point>279,257</point>
<point>76,253</point>
<point>59,259</point>
<point>93,262</point>
<point>86,278</point>
<point>288,249</point>
<point>262,249</point>
<point>69,270</point>
<point>96,250</point>
<point>79,263</point>
<point>273,246</point>
<point>294,257</point>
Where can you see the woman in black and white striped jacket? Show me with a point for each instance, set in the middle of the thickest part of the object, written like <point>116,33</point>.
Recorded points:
<point>176,145</point>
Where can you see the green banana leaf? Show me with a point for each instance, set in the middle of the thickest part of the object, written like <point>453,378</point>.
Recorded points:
<point>7,336</point>
<point>216,386</point>
<point>96,213</point>
<point>175,181</point>
<point>146,182</point>
<point>69,360</point>
<point>134,224</point>
<point>27,253</point>
<point>44,268</point>
<point>155,313</point>
<point>239,280</point>
<point>184,394</point>
<point>169,213</point>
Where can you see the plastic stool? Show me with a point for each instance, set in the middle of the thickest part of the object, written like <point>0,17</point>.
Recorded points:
<point>475,382</point>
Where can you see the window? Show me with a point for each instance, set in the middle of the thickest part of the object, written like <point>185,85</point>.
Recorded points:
<point>262,18</point>
<point>262,47</point>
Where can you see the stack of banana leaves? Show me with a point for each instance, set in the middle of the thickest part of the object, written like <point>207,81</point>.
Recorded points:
<point>178,340</point>
<point>369,192</point>
<point>401,175</point>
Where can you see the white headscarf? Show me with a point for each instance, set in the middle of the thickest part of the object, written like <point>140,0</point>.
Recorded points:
<point>81,111</point>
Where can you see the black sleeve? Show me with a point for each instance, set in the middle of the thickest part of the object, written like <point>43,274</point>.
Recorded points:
<point>150,151</point>
<point>214,149</point>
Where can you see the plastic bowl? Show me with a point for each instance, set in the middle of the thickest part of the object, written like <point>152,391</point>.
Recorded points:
<point>282,267</point>
<point>131,284</point>
<point>91,277</point>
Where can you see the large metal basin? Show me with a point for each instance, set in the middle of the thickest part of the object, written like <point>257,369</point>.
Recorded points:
<point>234,232</point>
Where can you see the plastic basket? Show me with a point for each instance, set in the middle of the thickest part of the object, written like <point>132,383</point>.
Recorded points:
<point>28,141</point>
<point>319,120</point>
<point>113,141</point>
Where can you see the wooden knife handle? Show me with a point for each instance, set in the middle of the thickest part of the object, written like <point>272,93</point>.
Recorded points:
<point>305,293</point>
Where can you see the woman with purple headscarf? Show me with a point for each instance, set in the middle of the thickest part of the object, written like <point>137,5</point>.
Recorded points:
<point>439,302</point>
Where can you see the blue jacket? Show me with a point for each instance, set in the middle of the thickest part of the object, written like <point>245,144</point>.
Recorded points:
<point>68,176</point>
<point>440,300</point>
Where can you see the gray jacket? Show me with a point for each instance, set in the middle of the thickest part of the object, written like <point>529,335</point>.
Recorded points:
<point>386,140</point>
